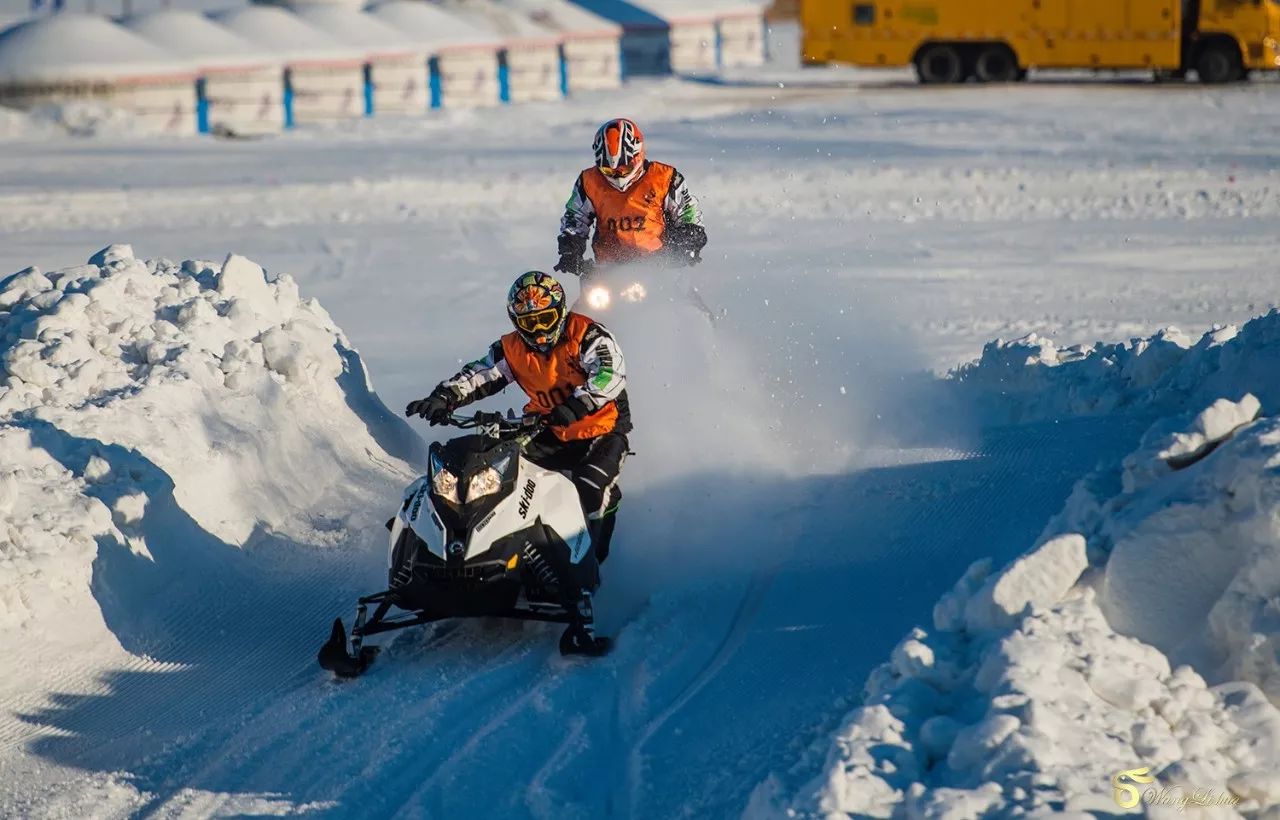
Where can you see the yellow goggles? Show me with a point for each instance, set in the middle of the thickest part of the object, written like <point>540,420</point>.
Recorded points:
<point>535,322</point>
<point>616,172</point>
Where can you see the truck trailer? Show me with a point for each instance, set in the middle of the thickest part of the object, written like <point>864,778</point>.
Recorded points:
<point>951,41</point>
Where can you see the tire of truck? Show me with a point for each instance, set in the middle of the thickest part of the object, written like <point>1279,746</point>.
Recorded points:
<point>1219,61</point>
<point>997,64</point>
<point>939,64</point>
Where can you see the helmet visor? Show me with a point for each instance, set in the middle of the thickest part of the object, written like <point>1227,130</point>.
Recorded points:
<point>620,171</point>
<point>538,321</point>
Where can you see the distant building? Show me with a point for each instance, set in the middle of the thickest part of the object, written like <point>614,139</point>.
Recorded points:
<point>590,45</point>
<point>462,59</point>
<point>324,77</point>
<point>529,68</point>
<point>239,87</point>
<point>85,58</point>
<point>395,66</point>
<point>686,37</point>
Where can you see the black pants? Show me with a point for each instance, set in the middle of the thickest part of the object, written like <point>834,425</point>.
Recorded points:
<point>594,465</point>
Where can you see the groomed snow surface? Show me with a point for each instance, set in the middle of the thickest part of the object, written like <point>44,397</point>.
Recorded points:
<point>194,468</point>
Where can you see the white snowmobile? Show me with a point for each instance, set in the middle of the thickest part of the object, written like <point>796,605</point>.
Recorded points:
<point>485,532</point>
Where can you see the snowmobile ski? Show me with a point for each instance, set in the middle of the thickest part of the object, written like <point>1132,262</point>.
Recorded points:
<point>334,657</point>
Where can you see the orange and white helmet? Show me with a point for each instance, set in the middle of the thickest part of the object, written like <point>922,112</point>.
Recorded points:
<point>619,150</point>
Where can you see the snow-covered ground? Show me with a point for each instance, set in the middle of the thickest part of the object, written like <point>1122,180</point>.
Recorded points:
<point>211,478</point>
<point>1140,631</point>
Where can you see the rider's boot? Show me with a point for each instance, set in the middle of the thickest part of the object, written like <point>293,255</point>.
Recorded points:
<point>580,637</point>
<point>600,531</point>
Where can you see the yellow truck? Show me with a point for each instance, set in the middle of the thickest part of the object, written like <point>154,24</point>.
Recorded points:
<point>951,41</point>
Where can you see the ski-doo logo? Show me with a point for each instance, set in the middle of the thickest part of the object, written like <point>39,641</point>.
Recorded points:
<point>526,497</point>
<point>417,504</point>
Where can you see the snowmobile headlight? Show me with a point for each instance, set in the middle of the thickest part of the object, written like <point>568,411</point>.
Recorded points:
<point>445,485</point>
<point>485,482</point>
<point>598,297</point>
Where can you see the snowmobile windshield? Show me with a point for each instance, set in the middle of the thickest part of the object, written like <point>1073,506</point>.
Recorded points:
<point>471,474</point>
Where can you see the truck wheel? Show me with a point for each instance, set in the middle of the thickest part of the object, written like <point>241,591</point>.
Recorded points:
<point>938,64</point>
<point>1218,63</point>
<point>997,64</point>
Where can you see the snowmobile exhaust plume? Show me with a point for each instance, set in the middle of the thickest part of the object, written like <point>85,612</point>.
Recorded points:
<point>485,533</point>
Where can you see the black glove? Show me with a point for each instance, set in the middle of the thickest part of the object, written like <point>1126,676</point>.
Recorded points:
<point>685,242</point>
<point>573,409</point>
<point>571,249</point>
<point>575,265</point>
<point>436,408</point>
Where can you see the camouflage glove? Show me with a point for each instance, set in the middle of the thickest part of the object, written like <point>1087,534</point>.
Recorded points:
<point>572,249</point>
<point>686,242</point>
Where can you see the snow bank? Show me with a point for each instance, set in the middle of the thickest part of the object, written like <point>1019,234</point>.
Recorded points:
<point>154,418</point>
<point>1032,378</point>
<point>1141,631</point>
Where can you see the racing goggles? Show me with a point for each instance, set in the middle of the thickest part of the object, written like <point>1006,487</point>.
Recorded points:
<point>620,171</point>
<point>539,321</point>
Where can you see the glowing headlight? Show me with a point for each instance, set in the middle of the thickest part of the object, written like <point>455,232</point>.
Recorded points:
<point>598,298</point>
<point>445,485</point>
<point>483,483</point>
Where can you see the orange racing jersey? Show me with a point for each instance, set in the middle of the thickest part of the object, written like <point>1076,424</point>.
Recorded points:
<point>628,224</point>
<point>585,364</point>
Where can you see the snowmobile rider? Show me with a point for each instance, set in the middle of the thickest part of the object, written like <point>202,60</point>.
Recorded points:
<point>575,377</point>
<point>639,207</point>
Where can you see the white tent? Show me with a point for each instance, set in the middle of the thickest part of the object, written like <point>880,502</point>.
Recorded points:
<point>81,57</point>
<point>742,33</point>
<point>591,44</point>
<point>691,33</point>
<point>646,42</point>
<point>463,59</point>
<point>531,67</point>
<point>397,67</point>
<point>240,88</point>
<point>677,35</point>
<point>324,77</point>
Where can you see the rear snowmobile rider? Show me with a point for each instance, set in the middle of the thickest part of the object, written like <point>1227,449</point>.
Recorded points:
<point>639,208</point>
<point>575,377</point>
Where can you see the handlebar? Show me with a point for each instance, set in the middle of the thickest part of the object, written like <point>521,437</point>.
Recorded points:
<point>669,259</point>
<point>497,422</point>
